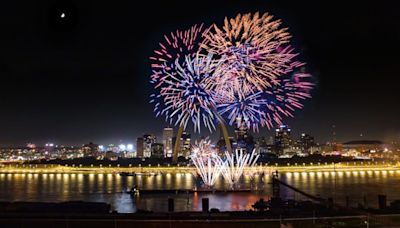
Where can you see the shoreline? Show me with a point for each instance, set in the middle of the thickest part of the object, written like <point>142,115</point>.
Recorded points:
<point>300,168</point>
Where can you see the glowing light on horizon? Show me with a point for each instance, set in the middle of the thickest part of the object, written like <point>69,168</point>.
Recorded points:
<point>122,147</point>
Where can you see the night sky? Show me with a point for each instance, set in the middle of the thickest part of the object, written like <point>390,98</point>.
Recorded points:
<point>86,77</point>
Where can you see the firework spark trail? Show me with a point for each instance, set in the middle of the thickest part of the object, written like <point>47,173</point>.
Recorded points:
<point>183,97</point>
<point>248,108</point>
<point>208,170</point>
<point>258,62</point>
<point>174,68</point>
<point>235,164</point>
<point>264,108</point>
<point>206,161</point>
<point>253,74</point>
<point>253,47</point>
<point>210,165</point>
<point>175,47</point>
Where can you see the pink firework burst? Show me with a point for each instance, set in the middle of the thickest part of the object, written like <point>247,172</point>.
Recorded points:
<point>267,107</point>
<point>254,48</point>
<point>175,47</point>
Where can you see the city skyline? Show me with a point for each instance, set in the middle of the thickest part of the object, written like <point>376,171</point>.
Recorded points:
<point>102,95</point>
<point>215,137</point>
<point>283,145</point>
<point>168,135</point>
<point>237,113</point>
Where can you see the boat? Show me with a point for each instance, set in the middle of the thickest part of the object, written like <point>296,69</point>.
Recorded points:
<point>126,174</point>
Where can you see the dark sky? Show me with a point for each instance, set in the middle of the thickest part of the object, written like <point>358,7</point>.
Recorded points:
<point>85,78</point>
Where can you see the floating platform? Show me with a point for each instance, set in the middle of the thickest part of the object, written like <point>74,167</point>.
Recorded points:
<point>128,174</point>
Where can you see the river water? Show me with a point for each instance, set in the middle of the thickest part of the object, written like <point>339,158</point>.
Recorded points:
<point>110,188</point>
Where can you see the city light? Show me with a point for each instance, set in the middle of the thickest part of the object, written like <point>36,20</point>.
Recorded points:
<point>122,147</point>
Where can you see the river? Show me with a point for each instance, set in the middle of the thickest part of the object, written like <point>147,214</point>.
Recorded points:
<point>110,188</point>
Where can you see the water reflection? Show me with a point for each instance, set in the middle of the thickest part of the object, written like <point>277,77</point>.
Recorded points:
<point>110,188</point>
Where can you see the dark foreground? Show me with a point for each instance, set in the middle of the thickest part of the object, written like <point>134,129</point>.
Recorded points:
<point>192,220</point>
<point>273,213</point>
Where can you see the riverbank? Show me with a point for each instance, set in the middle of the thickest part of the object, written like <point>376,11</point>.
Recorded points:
<point>154,170</point>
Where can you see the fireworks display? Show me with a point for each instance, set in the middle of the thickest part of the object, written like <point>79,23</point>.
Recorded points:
<point>265,108</point>
<point>210,166</point>
<point>178,71</point>
<point>244,70</point>
<point>183,97</point>
<point>253,47</point>
<point>175,47</point>
<point>259,85</point>
<point>207,162</point>
<point>235,165</point>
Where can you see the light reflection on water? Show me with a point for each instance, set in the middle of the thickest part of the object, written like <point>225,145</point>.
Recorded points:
<point>110,188</point>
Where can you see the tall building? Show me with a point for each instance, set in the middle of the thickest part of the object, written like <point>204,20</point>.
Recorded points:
<point>157,150</point>
<point>90,150</point>
<point>264,146</point>
<point>241,130</point>
<point>244,140</point>
<point>139,147</point>
<point>306,143</point>
<point>168,134</point>
<point>270,140</point>
<point>149,140</point>
<point>283,140</point>
<point>185,145</point>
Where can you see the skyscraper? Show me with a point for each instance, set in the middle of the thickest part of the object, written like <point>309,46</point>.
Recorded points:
<point>185,145</point>
<point>149,140</point>
<point>306,142</point>
<point>168,134</point>
<point>244,140</point>
<point>241,130</point>
<point>157,150</point>
<point>283,140</point>
<point>139,147</point>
